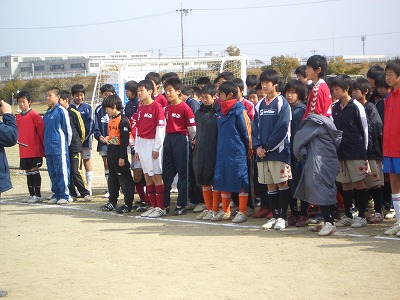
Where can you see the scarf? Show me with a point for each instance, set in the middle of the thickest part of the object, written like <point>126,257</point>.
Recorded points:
<point>227,105</point>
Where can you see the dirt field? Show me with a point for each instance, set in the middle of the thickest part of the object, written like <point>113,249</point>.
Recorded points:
<point>78,252</point>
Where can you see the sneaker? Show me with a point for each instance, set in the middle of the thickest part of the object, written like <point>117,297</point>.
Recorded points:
<point>144,208</point>
<point>221,216</point>
<point>209,215</point>
<point>190,206</point>
<point>302,221</point>
<point>28,199</point>
<point>158,213</point>
<point>34,199</point>
<point>318,219</point>
<point>239,218</point>
<point>394,229</point>
<point>398,234</point>
<point>50,197</point>
<point>249,211</point>
<point>345,221</point>
<point>262,212</point>
<point>359,222</point>
<point>270,215</point>
<point>148,212</point>
<point>107,207</point>
<point>178,211</point>
<point>199,208</point>
<point>138,204</point>
<point>270,224</point>
<point>375,218</point>
<point>280,224</point>
<point>87,198</point>
<point>123,209</point>
<point>292,220</point>
<point>202,215</point>
<point>391,214</point>
<point>63,201</point>
<point>327,229</point>
<point>106,195</point>
<point>53,200</point>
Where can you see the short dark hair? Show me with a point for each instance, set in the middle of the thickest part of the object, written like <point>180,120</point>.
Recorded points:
<point>228,87</point>
<point>64,94</point>
<point>239,83</point>
<point>78,88</point>
<point>187,91</point>
<point>196,91</point>
<point>132,86</point>
<point>169,75</point>
<point>153,76</point>
<point>203,80</point>
<point>394,65</point>
<point>362,84</point>
<point>55,90</point>
<point>147,84</point>
<point>344,82</point>
<point>270,75</point>
<point>380,81</point>
<point>24,94</point>
<point>209,89</point>
<point>299,87</point>
<point>112,100</point>
<point>374,71</point>
<point>252,80</point>
<point>318,61</point>
<point>252,91</point>
<point>225,75</point>
<point>176,83</point>
<point>107,88</point>
<point>301,70</point>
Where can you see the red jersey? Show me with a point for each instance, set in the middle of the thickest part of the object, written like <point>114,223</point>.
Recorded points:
<point>149,117</point>
<point>30,132</point>
<point>160,98</point>
<point>391,125</point>
<point>249,108</point>
<point>319,100</point>
<point>179,117</point>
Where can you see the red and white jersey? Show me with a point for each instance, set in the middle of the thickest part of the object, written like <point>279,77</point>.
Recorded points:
<point>249,108</point>
<point>149,117</point>
<point>160,98</point>
<point>30,132</point>
<point>179,118</point>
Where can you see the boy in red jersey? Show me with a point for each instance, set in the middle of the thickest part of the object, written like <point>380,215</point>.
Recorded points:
<point>180,126</point>
<point>391,144</point>
<point>30,136</point>
<point>156,79</point>
<point>320,99</point>
<point>150,133</point>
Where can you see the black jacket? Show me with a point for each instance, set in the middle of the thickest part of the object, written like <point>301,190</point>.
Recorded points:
<point>78,130</point>
<point>375,127</point>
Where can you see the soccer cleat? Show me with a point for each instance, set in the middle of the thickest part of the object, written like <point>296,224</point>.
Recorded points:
<point>147,212</point>
<point>249,211</point>
<point>34,199</point>
<point>209,215</point>
<point>158,213</point>
<point>359,222</point>
<point>190,206</point>
<point>53,201</point>
<point>106,195</point>
<point>292,220</point>
<point>375,218</point>
<point>63,201</point>
<point>178,211</point>
<point>270,224</point>
<point>123,209</point>
<point>219,216</point>
<point>202,215</point>
<point>87,198</point>
<point>327,229</point>
<point>239,218</point>
<point>391,214</point>
<point>302,221</point>
<point>280,224</point>
<point>199,208</point>
<point>107,207</point>
<point>28,199</point>
<point>262,212</point>
<point>345,221</point>
<point>394,229</point>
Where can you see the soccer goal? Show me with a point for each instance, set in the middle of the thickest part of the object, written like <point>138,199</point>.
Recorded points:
<point>188,69</point>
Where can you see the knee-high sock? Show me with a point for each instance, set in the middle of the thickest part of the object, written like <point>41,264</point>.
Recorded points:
<point>226,201</point>
<point>273,198</point>
<point>362,199</point>
<point>30,183</point>
<point>208,196</point>
<point>284,196</point>
<point>140,190</point>
<point>216,200</point>
<point>151,192</point>
<point>37,183</point>
<point>89,180</point>
<point>159,189</point>
<point>396,205</point>
<point>387,195</point>
<point>377,195</point>
<point>348,202</point>
<point>243,200</point>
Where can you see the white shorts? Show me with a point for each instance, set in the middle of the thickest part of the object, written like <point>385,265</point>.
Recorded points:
<point>144,148</point>
<point>86,153</point>
<point>135,164</point>
<point>273,172</point>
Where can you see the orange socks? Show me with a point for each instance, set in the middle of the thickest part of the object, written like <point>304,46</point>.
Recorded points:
<point>208,196</point>
<point>243,197</point>
<point>216,200</point>
<point>226,201</point>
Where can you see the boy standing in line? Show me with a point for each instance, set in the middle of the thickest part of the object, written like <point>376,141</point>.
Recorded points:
<point>271,136</point>
<point>117,141</point>
<point>150,133</point>
<point>75,148</point>
<point>156,79</point>
<point>78,93</point>
<point>57,138</point>
<point>30,133</point>
<point>391,133</point>
<point>180,127</point>
<point>349,116</point>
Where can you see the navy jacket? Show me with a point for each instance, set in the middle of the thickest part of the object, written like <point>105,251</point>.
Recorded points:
<point>8,138</point>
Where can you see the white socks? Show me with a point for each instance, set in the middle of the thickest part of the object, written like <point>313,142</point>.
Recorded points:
<point>89,180</point>
<point>396,205</point>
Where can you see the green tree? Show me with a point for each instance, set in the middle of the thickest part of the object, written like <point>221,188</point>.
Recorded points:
<point>10,89</point>
<point>337,66</point>
<point>232,50</point>
<point>284,65</point>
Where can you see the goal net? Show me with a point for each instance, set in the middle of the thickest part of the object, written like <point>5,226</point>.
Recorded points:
<point>188,69</point>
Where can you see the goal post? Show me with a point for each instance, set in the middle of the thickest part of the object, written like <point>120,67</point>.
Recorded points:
<point>188,69</point>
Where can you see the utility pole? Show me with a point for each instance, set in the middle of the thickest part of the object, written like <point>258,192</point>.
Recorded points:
<point>363,39</point>
<point>184,12</point>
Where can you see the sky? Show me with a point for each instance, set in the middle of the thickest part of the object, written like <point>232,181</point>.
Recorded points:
<point>259,28</point>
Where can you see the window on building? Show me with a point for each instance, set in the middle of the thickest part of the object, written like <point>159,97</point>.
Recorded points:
<point>94,65</point>
<point>78,66</point>
<point>39,68</point>
<point>57,67</point>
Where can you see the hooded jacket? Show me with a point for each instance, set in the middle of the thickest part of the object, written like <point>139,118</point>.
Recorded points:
<point>8,138</point>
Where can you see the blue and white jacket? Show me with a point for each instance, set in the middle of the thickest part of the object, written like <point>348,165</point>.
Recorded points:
<point>57,131</point>
<point>87,117</point>
<point>101,119</point>
<point>271,129</point>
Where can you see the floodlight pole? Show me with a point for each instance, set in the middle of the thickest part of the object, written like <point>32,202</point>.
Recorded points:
<point>363,39</point>
<point>184,12</point>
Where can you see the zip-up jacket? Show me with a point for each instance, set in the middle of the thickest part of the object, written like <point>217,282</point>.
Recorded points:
<point>271,129</point>
<point>131,107</point>
<point>8,138</point>
<point>375,126</point>
<point>101,119</point>
<point>87,117</point>
<point>78,130</point>
<point>118,135</point>
<point>352,120</point>
<point>391,126</point>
